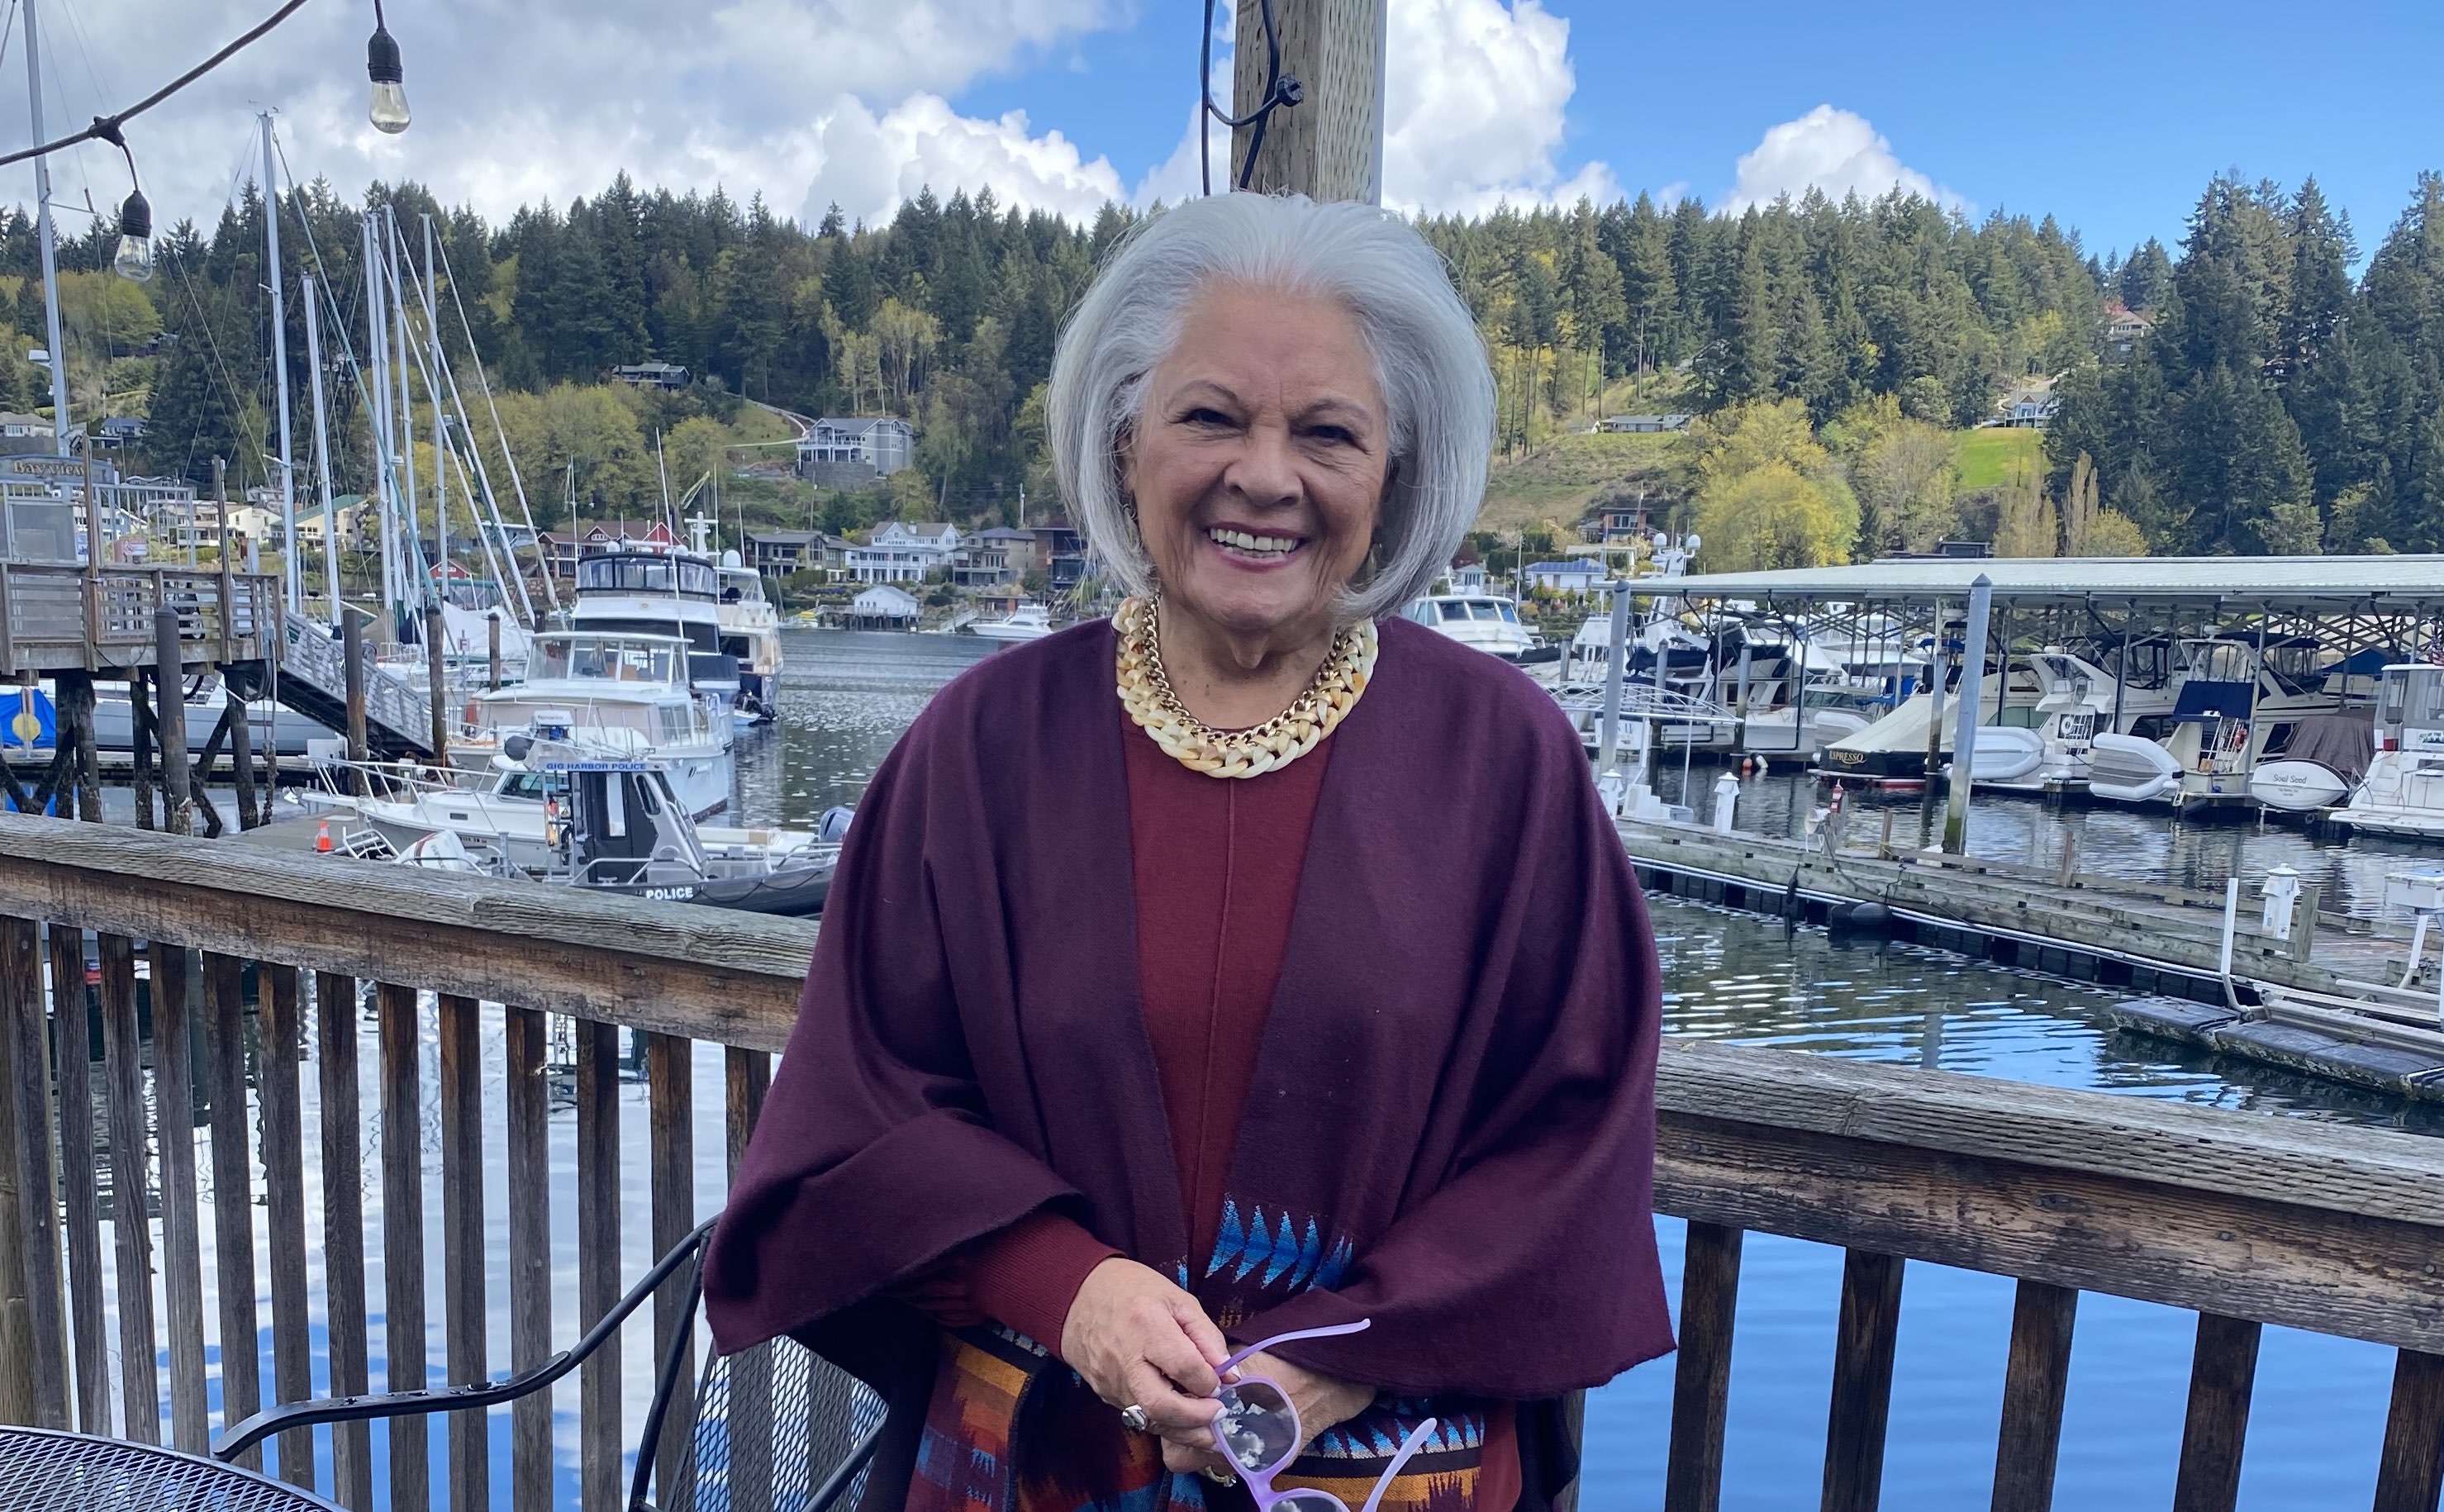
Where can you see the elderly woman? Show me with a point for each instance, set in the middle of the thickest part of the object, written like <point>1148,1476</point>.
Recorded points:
<point>1235,968</point>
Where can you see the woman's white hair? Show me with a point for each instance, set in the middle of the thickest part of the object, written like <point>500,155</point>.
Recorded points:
<point>1429,361</point>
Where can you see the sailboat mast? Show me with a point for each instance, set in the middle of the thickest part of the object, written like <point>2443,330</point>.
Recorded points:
<point>406,398</point>
<point>441,481</point>
<point>378,339</point>
<point>49,237</point>
<point>322,447</point>
<point>290,570</point>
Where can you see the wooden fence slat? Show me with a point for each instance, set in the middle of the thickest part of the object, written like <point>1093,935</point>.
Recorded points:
<point>460,1031</point>
<point>284,1173</point>
<point>670,1076</point>
<point>402,1214</point>
<point>2034,1384</point>
<point>528,1157</point>
<point>233,1192</point>
<point>2410,1477</point>
<point>1863,1380</point>
<point>2222,1373</point>
<point>174,1110</point>
<point>37,1214</point>
<point>343,1230</point>
<point>1710,1292</point>
<point>16,1341</point>
<point>130,1187</point>
<point>79,1193</point>
<point>599,1443</point>
<point>747,1075</point>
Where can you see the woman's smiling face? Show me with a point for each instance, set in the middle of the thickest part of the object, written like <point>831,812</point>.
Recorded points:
<point>1259,463</point>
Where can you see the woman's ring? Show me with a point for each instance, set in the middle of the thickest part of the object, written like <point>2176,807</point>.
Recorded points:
<point>1218,1475</point>
<point>1135,1416</point>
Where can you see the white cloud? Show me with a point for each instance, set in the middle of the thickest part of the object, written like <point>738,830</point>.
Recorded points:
<point>1474,110</point>
<point>869,165</point>
<point>520,100</point>
<point>1835,151</point>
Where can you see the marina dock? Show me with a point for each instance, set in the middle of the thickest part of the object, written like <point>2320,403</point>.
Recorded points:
<point>2324,998</point>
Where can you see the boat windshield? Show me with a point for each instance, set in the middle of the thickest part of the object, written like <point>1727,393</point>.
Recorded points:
<point>741,585</point>
<point>614,658</point>
<point>2221,661</point>
<point>642,572</point>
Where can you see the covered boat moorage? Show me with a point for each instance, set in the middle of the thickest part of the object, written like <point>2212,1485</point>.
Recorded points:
<point>2246,650</point>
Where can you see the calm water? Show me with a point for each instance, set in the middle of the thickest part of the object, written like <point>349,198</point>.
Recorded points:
<point>2321,1402</point>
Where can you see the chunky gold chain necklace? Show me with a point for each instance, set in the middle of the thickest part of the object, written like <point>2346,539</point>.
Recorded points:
<point>1146,693</point>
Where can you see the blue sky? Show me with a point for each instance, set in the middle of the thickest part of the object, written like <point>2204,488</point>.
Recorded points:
<point>2111,117</point>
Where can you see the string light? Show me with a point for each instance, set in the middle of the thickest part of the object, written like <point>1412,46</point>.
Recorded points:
<point>388,111</point>
<point>134,260</point>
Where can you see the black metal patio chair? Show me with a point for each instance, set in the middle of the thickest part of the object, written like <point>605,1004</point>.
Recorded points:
<point>777,1429</point>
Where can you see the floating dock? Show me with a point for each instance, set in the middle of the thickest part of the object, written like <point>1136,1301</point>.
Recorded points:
<point>2321,999</point>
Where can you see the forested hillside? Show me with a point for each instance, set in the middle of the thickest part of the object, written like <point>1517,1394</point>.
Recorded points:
<point>2278,404</point>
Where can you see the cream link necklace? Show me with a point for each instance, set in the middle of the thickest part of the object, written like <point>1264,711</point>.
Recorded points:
<point>1146,693</point>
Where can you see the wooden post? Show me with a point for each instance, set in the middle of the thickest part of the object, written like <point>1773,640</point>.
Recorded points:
<point>233,1172</point>
<point>169,719</point>
<point>38,1212</point>
<point>2028,1446</point>
<point>140,735</point>
<point>1709,1286</point>
<point>402,1187</point>
<point>2222,1375</point>
<point>242,764</point>
<point>437,670</point>
<point>343,1230</point>
<point>493,649</point>
<point>1330,145</point>
<point>352,651</point>
<point>528,1158</point>
<point>599,1443</point>
<point>75,707</point>
<point>2303,921</point>
<point>1863,1381</point>
<point>182,1264</point>
<point>79,1193</point>
<point>284,1185</point>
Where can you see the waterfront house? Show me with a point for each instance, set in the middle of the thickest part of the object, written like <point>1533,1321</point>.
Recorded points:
<point>883,608</point>
<point>1645,424</point>
<point>901,552</point>
<point>778,553</point>
<point>993,559</point>
<point>2124,327</point>
<point>1617,522</point>
<point>1578,575</point>
<point>1060,553</point>
<point>850,452</point>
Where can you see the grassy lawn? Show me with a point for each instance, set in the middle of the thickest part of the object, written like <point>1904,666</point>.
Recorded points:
<point>1559,480</point>
<point>1991,455</point>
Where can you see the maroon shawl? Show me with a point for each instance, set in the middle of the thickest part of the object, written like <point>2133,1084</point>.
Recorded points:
<point>1452,1125</point>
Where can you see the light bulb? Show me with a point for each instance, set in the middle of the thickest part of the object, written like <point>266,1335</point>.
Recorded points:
<point>389,109</point>
<point>135,259</point>
<point>389,112</point>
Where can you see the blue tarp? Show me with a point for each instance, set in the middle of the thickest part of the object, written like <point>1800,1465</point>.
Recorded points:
<point>28,723</point>
<point>2199,700</point>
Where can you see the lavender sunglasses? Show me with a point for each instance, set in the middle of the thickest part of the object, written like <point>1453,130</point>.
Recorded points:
<point>1258,1431</point>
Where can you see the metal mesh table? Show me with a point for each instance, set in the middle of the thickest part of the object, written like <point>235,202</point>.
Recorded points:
<point>75,1472</point>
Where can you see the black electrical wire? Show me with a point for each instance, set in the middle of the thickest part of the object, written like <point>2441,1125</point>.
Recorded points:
<point>105,128</point>
<point>1280,89</point>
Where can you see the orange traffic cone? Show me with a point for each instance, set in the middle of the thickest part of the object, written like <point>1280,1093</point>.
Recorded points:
<point>323,838</point>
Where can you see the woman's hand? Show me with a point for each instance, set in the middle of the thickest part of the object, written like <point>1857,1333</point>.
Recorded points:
<point>1323,1401</point>
<point>1141,1342</point>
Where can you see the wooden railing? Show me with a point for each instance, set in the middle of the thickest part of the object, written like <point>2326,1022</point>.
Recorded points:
<point>53,618</point>
<point>2245,1219</point>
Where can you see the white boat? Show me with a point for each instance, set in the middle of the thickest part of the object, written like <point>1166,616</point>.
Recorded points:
<point>2234,705</point>
<point>647,589</point>
<point>2403,791</point>
<point>1489,623</point>
<point>612,697</point>
<point>750,636</point>
<point>1029,621</point>
<point>2324,761</point>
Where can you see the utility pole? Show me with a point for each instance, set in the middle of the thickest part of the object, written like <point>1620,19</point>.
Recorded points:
<point>1330,145</point>
<point>49,238</point>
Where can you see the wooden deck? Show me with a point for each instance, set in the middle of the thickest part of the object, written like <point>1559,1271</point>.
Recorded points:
<point>62,619</point>
<point>2244,1218</point>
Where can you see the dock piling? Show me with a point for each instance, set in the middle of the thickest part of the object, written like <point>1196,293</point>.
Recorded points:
<point>352,653</point>
<point>1964,739</point>
<point>169,723</point>
<point>437,670</point>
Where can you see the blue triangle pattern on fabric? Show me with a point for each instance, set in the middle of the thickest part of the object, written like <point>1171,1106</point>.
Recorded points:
<point>1230,1240</point>
<point>1259,1243</point>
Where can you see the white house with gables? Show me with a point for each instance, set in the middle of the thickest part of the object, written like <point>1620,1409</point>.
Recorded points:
<point>868,447</point>
<point>901,552</point>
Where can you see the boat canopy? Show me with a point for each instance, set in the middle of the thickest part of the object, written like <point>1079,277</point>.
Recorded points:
<point>2308,583</point>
